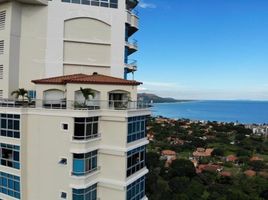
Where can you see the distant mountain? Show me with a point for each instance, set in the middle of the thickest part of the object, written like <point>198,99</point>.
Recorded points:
<point>146,97</point>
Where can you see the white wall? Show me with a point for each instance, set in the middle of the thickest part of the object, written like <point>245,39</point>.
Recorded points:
<point>58,12</point>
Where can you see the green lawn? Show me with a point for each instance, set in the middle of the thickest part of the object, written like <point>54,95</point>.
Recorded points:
<point>228,148</point>
<point>234,170</point>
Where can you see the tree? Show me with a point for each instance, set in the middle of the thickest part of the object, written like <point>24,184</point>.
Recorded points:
<point>87,92</point>
<point>152,160</point>
<point>179,184</point>
<point>242,152</point>
<point>195,190</point>
<point>264,194</point>
<point>218,152</point>
<point>181,168</point>
<point>20,92</point>
<point>257,165</point>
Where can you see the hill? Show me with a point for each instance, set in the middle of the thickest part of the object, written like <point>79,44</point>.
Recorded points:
<point>146,97</point>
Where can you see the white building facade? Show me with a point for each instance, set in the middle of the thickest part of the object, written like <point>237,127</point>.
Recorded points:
<point>65,143</point>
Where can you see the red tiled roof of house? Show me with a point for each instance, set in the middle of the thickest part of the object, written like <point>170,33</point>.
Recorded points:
<point>168,153</point>
<point>209,167</point>
<point>256,158</point>
<point>226,174</point>
<point>201,152</point>
<point>231,158</point>
<point>86,79</point>
<point>250,173</point>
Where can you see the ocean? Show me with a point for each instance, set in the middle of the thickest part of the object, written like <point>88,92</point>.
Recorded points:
<point>246,112</point>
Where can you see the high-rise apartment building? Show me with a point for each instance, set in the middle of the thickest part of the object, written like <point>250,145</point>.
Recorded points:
<point>81,134</point>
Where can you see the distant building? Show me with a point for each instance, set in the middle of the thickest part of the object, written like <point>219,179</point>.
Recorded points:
<point>209,167</point>
<point>256,158</point>
<point>250,173</point>
<point>201,152</point>
<point>169,156</point>
<point>226,174</point>
<point>231,158</point>
<point>259,129</point>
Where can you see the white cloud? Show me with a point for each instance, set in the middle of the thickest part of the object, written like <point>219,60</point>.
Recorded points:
<point>142,89</point>
<point>145,5</point>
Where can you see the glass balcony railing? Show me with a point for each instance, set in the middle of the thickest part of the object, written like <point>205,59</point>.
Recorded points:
<point>132,22</point>
<point>75,105</point>
<point>131,65</point>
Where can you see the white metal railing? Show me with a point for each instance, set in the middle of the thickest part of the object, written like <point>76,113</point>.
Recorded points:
<point>75,105</point>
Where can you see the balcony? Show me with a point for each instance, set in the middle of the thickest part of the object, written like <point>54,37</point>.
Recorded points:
<point>131,4</point>
<point>132,46</point>
<point>78,181</point>
<point>74,105</point>
<point>132,22</point>
<point>131,66</point>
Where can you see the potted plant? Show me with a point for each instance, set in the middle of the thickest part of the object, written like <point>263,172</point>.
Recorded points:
<point>87,92</point>
<point>23,93</point>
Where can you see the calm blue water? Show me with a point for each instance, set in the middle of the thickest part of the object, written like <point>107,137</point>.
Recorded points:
<point>224,111</point>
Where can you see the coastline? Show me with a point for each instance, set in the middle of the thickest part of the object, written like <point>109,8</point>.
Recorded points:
<point>241,111</point>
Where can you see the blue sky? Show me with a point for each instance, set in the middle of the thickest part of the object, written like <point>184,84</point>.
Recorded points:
<point>203,49</point>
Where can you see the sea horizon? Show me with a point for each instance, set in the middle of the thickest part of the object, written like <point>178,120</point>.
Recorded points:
<point>242,111</point>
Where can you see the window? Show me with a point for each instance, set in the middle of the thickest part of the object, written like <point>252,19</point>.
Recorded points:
<point>84,164</point>
<point>10,155</point>
<point>10,125</point>
<point>89,193</point>
<point>135,160</point>
<point>10,185</point>
<point>136,128</point>
<point>63,195</point>
<point>1,71</point>
<point>2,19</point>
<point>32,94</point>
<point>136,190</point>
<point>64,126</point>
<point>101,3</point>
<point>1,47</point>
<point>86,128</point>
<point>63,161</point>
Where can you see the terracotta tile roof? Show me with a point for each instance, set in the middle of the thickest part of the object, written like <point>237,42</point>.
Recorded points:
<point>168,153</point>
<point>231,158</point>
<point>250,173</point>
<point>256,158</point>
<point>201,152</point>
<point>226,174</point>
<point>86,79</point>
<point>209,167</point>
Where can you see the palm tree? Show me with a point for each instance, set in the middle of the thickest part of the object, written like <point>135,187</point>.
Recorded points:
<point>87,92</point>
<point>20,92</point>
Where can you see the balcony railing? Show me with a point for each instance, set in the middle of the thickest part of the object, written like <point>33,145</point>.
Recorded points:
<point>131,65</point>
<point>75,105</point>
<point>132,46</point>
<point>133,22</point>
